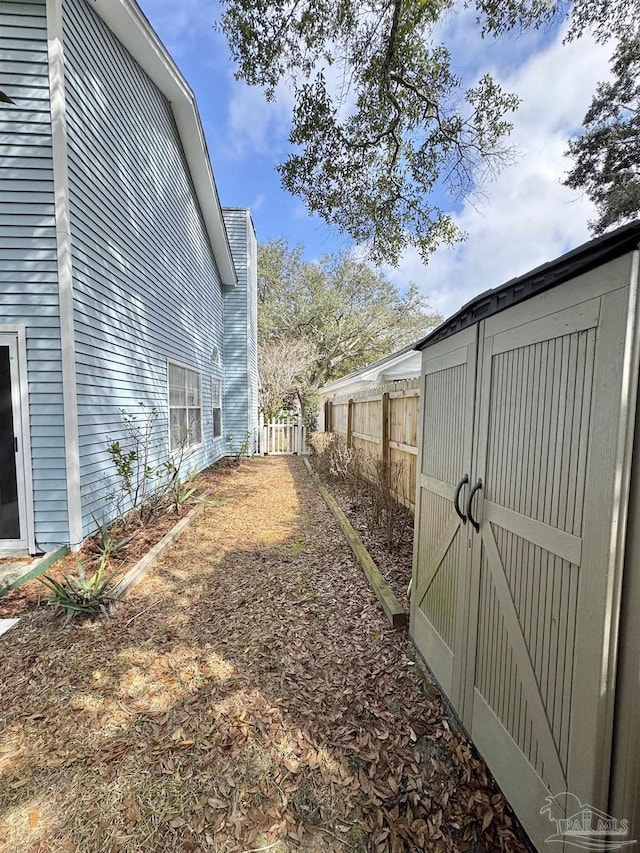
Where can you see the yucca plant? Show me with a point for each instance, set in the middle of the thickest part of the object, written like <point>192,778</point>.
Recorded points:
<point>78,594</point>
<point>104,540</point>
<point>182,490</point>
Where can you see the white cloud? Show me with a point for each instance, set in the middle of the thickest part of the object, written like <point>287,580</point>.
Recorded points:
<point>258,201</point>
<point>180,23</point>
<point>255,125</point>
<point>262,127</point>
<point>527,217</point>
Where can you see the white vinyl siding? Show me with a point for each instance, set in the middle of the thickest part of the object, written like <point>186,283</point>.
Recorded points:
<point>146,286</point>
<point>185,407</point>
<point>240,333</point>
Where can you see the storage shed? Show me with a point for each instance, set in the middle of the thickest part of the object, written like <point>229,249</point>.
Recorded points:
<point>526,583</point>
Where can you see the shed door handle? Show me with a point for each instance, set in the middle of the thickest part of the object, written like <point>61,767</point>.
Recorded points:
<point>472,493</point>
<point>456,498</point>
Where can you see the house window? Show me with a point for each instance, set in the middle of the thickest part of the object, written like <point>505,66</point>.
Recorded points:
<point>185,407</point>
<point>216,407</point>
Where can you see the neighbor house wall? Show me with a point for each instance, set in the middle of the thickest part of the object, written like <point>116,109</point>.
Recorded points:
<point>240,333</point>
<point>28,254</point>
<point>146,285</point>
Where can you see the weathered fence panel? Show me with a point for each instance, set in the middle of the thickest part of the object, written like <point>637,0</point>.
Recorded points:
<point>382,423</point>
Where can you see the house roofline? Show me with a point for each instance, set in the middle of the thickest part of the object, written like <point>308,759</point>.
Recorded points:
<point>232,208</point>
<point>131,27</point>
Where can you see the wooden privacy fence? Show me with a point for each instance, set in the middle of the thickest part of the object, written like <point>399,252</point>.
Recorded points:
<point>283,436</point>
<point>382,423</point>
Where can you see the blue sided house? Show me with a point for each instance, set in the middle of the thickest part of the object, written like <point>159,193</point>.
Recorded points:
<point>122,279</point>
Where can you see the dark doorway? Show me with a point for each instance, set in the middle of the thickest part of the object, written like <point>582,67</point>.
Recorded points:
<point>9,514</point>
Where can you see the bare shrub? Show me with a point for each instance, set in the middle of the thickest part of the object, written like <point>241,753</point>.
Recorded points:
<point>389,515</point>
<point>373,485</point>
<point>320,442</point>
<point>332,456</point>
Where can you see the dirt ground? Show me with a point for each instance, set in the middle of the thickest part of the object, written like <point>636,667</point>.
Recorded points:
<point>248,696</point>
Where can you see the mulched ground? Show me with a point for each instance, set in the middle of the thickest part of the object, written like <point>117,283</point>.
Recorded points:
<point>396,564</point>
<point>248,696</point>
<point>139,540</point>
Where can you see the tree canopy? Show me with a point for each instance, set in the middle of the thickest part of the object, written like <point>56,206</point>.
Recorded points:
<point>348,313</point>
<point>379,120</point>
<point>382,126</point>
<point>607,153</point>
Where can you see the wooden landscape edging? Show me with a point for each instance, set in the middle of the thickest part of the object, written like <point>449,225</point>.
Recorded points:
<point>38,567</point>
<point>393,609</point>
<point>135,574</point>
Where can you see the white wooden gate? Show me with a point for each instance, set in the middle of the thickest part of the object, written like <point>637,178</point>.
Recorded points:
<point>516,551</point>
<point>283,436</point>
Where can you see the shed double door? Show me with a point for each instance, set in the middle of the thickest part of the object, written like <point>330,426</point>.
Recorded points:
<point>520,515</point>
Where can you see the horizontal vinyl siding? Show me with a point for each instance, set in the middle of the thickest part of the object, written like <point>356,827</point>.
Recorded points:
<point>252,313</point>
<point>146,287</point>
<point>240,397</point>
<point>28,258</point>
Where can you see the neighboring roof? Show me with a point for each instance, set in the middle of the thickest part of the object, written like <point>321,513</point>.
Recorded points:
<point>576,262</point>
<point>370,372</point>
<point>128,23</point>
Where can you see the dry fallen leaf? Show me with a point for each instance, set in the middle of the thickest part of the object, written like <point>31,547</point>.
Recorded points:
<point>250,698</point>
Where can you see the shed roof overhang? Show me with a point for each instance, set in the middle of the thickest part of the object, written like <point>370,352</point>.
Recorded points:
<point>130,26</point>
<point>584,258</point>
<point>400,362</point>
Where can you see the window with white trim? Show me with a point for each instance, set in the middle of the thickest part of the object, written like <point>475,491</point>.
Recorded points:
<point>216,407</point>
<point>185,407</point>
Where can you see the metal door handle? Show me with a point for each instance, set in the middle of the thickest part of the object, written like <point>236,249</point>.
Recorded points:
<point>472,493</point>
<point>456,497</point>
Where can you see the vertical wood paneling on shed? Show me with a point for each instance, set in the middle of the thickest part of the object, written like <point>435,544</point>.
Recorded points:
<point>240,357</point>
<point>28,259</point>
<point>435,514</point>
<point>444,393</point>
<point>439,603</point>
<point>444,426</point>
<point>536,464</point>
<point>145,282</point>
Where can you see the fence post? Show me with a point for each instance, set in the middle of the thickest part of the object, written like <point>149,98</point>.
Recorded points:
<point>386,450</point>
<point>350,423</point>
<point>260,431</point>
<point>299,435</point>
<point>328,421</point>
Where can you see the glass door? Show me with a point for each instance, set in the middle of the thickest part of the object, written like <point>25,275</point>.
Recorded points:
<point>12,529</point>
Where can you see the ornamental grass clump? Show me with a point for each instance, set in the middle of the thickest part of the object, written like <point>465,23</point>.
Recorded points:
<point>79,594</point>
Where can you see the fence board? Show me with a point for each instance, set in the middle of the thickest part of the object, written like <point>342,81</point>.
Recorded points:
<point>382,423</point>
<point>283,436</point>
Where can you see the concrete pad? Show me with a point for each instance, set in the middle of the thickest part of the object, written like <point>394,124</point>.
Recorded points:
<point>5,624</point>
<point>12,569</point>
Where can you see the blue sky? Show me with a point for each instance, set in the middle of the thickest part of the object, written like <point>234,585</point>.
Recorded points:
<point>525,216</point>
